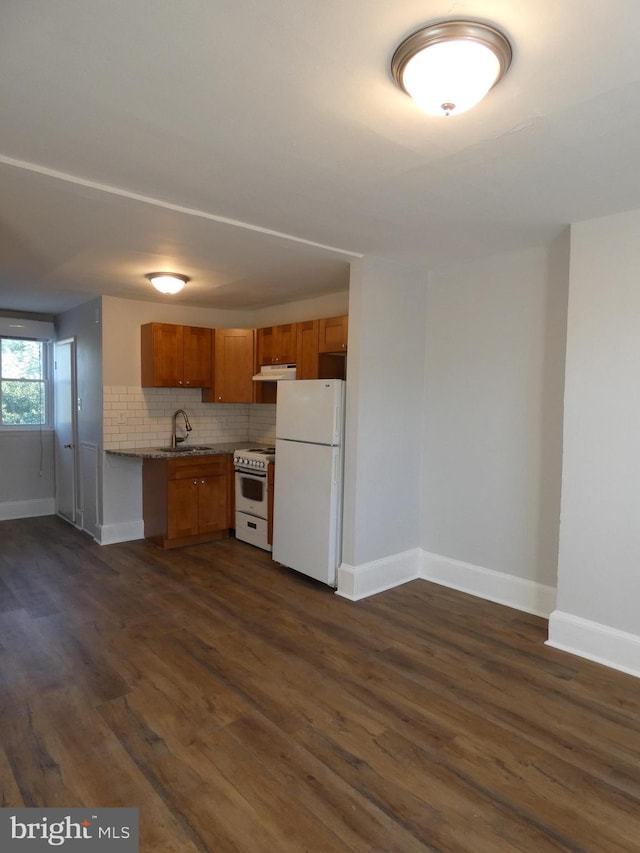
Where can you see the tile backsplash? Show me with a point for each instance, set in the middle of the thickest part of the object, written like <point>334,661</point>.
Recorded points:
<point>141,417</point>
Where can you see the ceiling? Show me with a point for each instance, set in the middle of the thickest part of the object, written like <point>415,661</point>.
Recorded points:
<point>260,147</point>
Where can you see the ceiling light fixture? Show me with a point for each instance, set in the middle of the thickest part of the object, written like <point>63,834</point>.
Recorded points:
<point>450,66</point>
<point>167,282</point>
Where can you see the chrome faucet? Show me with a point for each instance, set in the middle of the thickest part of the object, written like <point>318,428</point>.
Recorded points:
<point>175,439</point>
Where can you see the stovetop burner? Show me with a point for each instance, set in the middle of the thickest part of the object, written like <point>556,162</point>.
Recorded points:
<point>250,458</point>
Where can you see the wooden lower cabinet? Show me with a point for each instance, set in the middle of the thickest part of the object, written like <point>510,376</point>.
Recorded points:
<point>187,500</point>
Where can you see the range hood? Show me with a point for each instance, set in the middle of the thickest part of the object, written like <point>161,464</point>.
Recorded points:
<point>275,373</point>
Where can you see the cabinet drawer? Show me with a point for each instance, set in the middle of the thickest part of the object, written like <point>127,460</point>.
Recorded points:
<point>200,466</point>
<point>250,529</point>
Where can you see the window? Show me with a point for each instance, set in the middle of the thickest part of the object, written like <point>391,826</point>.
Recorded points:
<point>24,389</point>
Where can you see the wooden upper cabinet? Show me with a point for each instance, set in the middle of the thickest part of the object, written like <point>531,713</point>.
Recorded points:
<point>277,344</point>
<point>288,336</point>
<point>333,334</point>
<point>307,350</point>
<point>233,367</point>
<point>175,356</point>
<point>196,351</point>
<point>161,355</point>
<point>266,345</point>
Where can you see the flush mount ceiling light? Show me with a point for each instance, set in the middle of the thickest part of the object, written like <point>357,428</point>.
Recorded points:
<point>167,282</point>
<point>450,66</point>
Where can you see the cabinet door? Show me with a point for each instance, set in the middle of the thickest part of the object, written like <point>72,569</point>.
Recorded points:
<point>333,334</point>
<point>161,355</point>
<point>233,365</point>
<point>182,508</point>
<point>307,350</point>
<point>196,349</point>
<point>212,503</point>
<point>287,339</point>
<point>277,344</point>
<point>266,339</point>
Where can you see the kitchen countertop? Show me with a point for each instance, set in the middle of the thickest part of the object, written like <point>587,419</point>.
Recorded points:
<point>226,448</point>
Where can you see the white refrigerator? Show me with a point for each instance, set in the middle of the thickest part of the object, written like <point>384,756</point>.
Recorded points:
<point>307,510</point>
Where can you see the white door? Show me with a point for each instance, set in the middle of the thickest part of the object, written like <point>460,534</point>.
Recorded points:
<point>307,510</point>
<point>64,393</point>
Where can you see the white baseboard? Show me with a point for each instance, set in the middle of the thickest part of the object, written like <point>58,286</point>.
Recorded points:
<point>126,531</point>
<point>594,641</point>
<point>27,509</point>
<point>356,582</point>
<point>525,595</point>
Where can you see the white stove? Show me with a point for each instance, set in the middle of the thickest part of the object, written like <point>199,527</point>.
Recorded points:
<point>253,493</point>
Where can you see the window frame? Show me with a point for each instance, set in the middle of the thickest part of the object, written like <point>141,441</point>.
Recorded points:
<point>46,381</point>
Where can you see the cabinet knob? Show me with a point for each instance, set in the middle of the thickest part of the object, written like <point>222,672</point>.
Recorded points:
<point>188,382</point>
<point>202,482</point>
<point>220,398</point>
<point>179,381</point>
<point>195,482</point>
<point>67,446</point>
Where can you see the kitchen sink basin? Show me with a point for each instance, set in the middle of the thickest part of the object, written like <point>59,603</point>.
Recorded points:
<point>190,449</point>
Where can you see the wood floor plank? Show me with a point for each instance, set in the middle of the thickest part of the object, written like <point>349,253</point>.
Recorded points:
<point>307,780</point>
<point>291,824</point>
<point>10,796</point>
<point>243,707</point>
<point>62,754</point>
<point>181,692</point>
<point>213,813</point>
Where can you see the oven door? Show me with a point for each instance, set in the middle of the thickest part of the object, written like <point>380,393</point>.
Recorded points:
<point>251,493</point>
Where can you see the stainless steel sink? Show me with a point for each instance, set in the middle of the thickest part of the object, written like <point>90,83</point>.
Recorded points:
<point>190,449</point>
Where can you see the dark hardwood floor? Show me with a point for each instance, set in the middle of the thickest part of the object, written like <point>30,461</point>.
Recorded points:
<point>242,707</point>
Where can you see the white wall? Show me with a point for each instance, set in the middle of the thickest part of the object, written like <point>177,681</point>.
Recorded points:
<point>27,481</point>
<point>598,608</point>
<point>493,424</point>
<point>384,427</point>
<point>330,305</point>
